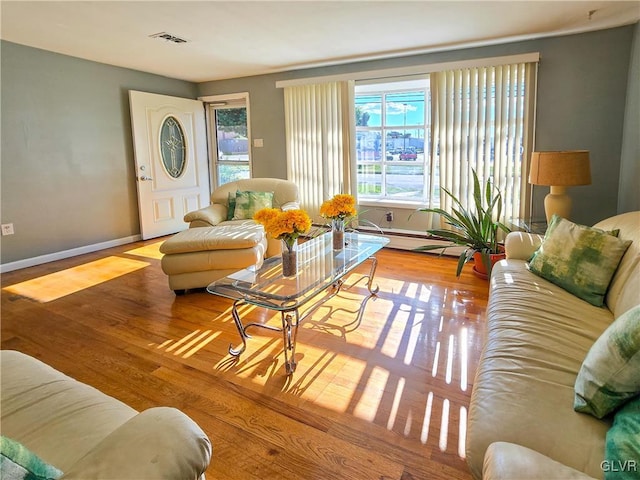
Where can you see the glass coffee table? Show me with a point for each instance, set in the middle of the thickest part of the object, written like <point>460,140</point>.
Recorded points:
<point>320,276</point>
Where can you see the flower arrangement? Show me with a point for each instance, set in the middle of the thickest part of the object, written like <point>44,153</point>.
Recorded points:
<point>339,207</point>
<point>285,225</point>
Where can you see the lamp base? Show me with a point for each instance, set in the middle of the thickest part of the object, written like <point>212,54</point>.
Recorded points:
<point>557,202</point>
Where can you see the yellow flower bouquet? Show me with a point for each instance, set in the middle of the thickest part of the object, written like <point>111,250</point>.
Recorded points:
<point>340,207</point>
<point>285,225</point>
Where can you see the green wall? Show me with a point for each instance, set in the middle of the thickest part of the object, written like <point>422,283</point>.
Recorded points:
<point>67,170</point>
<point>629,193</point>
<point>581,104</point>
<point>68,175</point>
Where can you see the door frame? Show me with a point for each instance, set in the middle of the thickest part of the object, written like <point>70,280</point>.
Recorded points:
<point>224,100</point>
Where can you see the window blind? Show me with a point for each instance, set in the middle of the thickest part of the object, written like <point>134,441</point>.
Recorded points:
<point>318,142</point>
<point>481,119</point>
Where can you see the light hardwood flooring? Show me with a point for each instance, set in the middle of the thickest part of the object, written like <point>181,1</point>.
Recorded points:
<point>383,399</point>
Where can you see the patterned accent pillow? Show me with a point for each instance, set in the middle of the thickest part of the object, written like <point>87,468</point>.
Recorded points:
<point>622,448</point>
<point>610,373</point>
<point>18,463</point>
<point>580,259</point>
<point>248,203</point>
<point>231,205</point>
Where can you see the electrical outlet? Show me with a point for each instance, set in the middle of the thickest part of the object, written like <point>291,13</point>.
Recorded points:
<point>7,229</point>
<point>389,216</point>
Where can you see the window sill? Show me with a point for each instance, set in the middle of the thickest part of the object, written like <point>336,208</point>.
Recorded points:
<point>406,204</point>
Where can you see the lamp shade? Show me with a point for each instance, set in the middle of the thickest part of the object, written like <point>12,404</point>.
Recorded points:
<point>560,168</point>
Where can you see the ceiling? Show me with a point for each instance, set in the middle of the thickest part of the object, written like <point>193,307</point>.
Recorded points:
<point>229,39</point>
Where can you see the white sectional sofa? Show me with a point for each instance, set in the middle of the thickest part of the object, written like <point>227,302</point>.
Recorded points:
<point>522,424</point>
<point>89,435</point>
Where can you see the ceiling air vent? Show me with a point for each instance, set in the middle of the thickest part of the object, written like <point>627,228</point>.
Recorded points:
<point>168,37</point>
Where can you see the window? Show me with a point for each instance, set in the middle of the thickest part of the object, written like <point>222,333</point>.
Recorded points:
<point>392,131</point>
<point>172,147</point>
<point>416,135</point>
<point>229,136</point>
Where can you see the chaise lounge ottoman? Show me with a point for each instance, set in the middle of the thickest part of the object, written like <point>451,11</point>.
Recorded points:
<point>221,239</point>
<point>198,256</point>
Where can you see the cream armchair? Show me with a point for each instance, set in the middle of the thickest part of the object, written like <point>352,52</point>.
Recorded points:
<point>88,434</point>
<point>215,245</point>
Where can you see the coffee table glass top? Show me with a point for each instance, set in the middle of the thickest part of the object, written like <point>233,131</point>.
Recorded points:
<point>319,266</point>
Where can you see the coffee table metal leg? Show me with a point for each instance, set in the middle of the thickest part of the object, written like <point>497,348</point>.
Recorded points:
<point>369,277</point>
<point>372,272</point>
<point>290,321</point>
<point>236,352</point>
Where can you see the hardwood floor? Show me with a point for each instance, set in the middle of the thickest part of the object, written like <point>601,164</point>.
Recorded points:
<point>383,399</point>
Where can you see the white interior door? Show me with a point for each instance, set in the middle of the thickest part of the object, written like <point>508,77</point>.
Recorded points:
<point>170,147</point>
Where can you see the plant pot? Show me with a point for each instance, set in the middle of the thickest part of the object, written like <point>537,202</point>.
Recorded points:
<point>479,268</point>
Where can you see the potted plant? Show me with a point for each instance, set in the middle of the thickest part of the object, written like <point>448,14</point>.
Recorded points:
<point>476,228</point>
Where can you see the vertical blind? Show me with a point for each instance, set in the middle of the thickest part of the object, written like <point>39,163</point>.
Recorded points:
<point>481,121</point>
<point>317,136</point>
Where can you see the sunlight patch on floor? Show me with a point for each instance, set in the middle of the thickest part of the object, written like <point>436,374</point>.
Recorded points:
<point>413,338</point>
<point>444,426</point>
<point>393,336</point>
<point>353,380</point>
<point>193,342</point>
<point>367,407</point>
<point>334,397</point>
<point>424,433</point>
<point>396,403</point>
<point>391,285</point>
<point>462,433</point>
<point>464,356</point>
<point>72,280</point>
<point>149,251</point>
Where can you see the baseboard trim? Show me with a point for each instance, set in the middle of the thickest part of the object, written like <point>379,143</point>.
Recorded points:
<point>400,239</point>
<point>74,252</point>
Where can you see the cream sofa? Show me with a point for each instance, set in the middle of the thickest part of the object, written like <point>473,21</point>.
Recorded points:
<point>521,421</point>
<point>89,435</point>
<point>214,247</point>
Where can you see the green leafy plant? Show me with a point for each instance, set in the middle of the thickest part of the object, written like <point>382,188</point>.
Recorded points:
<point>476,228</point>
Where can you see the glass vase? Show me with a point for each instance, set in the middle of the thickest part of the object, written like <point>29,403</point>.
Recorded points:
<point>337,231</point>
<point>290,258</point>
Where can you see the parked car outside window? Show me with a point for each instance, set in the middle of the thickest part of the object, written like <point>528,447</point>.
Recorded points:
<point>409,154</point>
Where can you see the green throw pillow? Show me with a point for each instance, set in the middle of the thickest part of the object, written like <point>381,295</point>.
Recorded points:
<point>622,448</point>
<point>231,208</point>
<point>18,463</point>
<point>610,373</point>
<point>580,259</point>
<point>248,203</point>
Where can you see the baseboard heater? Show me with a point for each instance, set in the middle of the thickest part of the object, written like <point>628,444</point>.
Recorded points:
<point>410,240</point>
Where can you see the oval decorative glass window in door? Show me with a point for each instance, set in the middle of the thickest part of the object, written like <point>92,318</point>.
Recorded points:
<point>172,147</point>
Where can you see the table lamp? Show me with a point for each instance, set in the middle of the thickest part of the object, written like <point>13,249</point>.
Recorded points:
<point>559,170</point>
